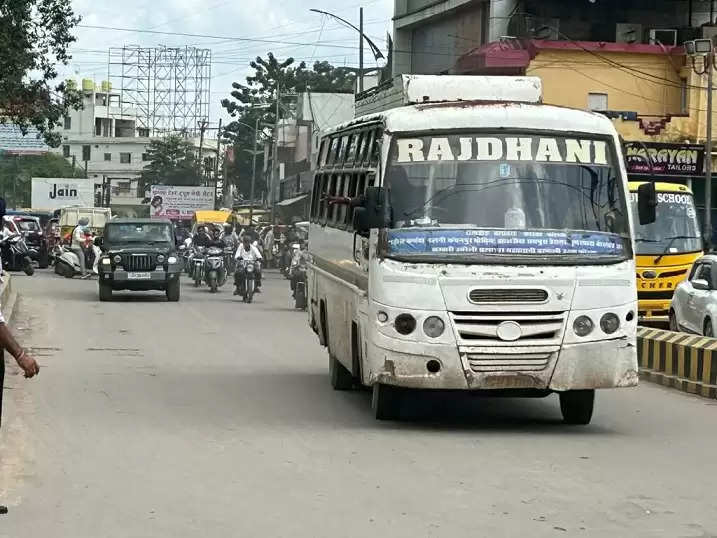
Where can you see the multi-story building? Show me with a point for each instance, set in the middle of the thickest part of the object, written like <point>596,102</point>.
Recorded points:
<point>623,58</point>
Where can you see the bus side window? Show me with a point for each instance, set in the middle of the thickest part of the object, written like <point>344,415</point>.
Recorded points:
<point>315,197</point>
<point>375,149</point>
<point>371,180</point>
<point>343,150</point>
<point>324,152</point>
<point>367,142</point>
<point>351,153</point>
<point>323,205</point>
<point>351,193</point>
<point>332,192</point>
<point>333,150</point>
<point>339,215</point>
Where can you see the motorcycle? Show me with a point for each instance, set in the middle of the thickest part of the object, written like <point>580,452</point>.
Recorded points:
<point>15,254</point>
<point>197,266</point>
<point>246,280</point>
<point>214,268</point>
<point>67,264</point>
<point>298,284</point>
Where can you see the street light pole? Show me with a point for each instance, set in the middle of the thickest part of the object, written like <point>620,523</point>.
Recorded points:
<point>360,81</point>
<point>704,48</point>
<point>253,172</point>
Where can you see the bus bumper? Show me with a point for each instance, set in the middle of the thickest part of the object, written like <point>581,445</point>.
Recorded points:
<point>655,311</point>
<point>594,365</point>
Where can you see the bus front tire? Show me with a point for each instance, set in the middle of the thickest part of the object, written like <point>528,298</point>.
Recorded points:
<point>385,402</point>
<point>341,378</point>
<point>577,406</point>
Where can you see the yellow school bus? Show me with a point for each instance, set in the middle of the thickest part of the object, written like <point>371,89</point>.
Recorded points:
<point>666,249</point>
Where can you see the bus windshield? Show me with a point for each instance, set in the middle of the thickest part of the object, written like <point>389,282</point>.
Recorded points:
<point>506,195</point>
<point>676,230</point>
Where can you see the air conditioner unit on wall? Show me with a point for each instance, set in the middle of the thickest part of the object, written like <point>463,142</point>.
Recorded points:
<point>543,28</point>
<point>628,33</point>
<point>663,36</point>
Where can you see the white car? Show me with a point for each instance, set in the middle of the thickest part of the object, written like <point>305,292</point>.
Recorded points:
<point>694,304</point>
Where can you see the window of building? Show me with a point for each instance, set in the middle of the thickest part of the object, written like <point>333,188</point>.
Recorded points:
<point>108,156</point>
<point>125,158</point>
<point>65,151</point>
<point>597,101</point>
<point>143,132</point>
<point>68,123</point>
<point>86,152</point>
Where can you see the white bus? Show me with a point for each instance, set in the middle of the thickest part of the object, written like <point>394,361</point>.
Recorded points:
<point>487,247</point>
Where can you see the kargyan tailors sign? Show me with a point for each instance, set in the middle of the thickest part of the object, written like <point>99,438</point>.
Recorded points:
<point>664,159</point>
<point>56,193</point>
<point>179,203</point>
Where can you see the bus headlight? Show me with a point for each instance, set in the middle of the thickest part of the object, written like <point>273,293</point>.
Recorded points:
<point>382,317</point>
<point>609,323</point>
<point>583,326</point>
<point>405,324</point>
<point>434,327</point>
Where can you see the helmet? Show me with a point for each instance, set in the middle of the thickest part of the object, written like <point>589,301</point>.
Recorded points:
<point>84,221</point>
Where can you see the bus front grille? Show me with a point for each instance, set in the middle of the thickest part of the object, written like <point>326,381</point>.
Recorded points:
<point>508,295</point>
<point>508,362</point>
<point>486,328</point>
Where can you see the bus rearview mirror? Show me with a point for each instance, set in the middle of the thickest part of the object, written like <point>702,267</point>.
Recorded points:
<point>647,203</point>
<point>373,212</point>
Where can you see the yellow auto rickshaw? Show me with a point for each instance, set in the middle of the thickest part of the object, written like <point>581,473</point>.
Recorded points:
<point>209,217</point>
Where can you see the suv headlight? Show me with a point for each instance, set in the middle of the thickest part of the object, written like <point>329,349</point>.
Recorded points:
<point>583,326</point>
<point>106,261</point>
<point>118,259</point>
<point>609,323</point>
<point>172,259</point>
<point>160,258</point>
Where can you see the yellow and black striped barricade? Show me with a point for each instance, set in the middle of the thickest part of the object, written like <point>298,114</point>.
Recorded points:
<point>684,361</point>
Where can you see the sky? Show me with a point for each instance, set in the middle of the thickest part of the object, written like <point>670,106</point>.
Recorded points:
<point>303,35</point>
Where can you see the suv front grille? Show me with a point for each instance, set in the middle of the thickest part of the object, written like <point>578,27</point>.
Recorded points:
<point>511,295</point>
<point>138,262</point>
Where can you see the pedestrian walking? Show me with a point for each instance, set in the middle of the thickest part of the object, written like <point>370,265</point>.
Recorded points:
<point>269,247</point>
<point>7,342</point>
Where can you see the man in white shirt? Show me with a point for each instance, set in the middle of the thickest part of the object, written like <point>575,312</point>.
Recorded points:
<point>78,243</point>
<point>250,253</point>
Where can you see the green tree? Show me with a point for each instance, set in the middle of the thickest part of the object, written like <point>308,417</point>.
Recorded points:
<point>271,77</point>
<point>16,172</point>
<point>34,38</point>
<point>172,161</point>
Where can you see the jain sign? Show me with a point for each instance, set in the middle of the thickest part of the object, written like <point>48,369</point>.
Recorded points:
<point>56,193</point>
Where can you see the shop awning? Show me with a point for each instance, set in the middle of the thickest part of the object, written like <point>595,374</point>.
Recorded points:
<point>292,201</point>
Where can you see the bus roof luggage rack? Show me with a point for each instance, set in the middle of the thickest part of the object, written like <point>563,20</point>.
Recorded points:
<point>406,90</point>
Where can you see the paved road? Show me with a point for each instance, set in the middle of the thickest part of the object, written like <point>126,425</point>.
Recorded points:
<point>212,418</point>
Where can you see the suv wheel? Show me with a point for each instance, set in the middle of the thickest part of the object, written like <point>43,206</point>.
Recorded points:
<point>173,290</point>
<point>105,292</point>
<point>707,330</point>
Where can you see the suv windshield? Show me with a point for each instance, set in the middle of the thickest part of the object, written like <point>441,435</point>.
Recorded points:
<point>138,232</point>
<point>676,229</point>
<point>538,195</point>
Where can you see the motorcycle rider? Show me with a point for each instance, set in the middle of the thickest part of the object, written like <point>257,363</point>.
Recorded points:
<point>79,239</point>
<point>299,261</point>
<point>229,238</point>
<point>248,252</point>
<point>202,237</point>
<point>215,240</point>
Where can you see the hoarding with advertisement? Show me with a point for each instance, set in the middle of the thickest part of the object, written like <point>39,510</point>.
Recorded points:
<point>664,159</point>
<point>179,203</point>
<point>56,193</point>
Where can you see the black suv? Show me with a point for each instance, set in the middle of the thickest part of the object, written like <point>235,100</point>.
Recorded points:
<point>139,255</point>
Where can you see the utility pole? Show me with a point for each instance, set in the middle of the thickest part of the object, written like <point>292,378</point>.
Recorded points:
<point>360,81</point>
<point>216,166</point>
<point>275,159</point>
<point>253,174</point>
<point>202,128</point>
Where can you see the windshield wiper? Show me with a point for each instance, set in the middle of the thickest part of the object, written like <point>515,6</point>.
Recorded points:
<point>641,240</point>
<point>669,244</point>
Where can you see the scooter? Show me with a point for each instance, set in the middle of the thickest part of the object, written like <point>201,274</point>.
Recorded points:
<point>197,269</point>
<point>246,280</point>
<point>15,254</point>
<point>68,263</point>
<point>214,268</point>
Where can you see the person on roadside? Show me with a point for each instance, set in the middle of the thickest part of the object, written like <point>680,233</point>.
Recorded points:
<point>249,253</point>
<point>24,360</point>
<point>78,244</point>
<point>269,247</point>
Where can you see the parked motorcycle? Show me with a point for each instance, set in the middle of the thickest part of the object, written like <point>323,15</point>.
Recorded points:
<point>214,268</point>
<point>246,280</point>
<point>15,254</point>
<point>298,282</point>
